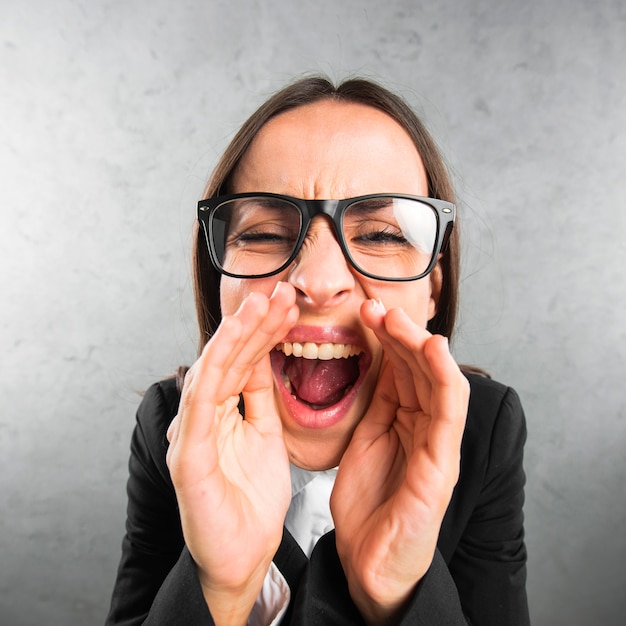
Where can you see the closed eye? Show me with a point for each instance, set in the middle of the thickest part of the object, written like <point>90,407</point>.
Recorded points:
<point>261,236</point>
<point>382,236</point>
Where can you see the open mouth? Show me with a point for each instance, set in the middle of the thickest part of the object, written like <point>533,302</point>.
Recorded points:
<point>318,381</point>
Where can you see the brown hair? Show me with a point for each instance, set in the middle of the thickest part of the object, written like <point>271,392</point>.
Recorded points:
<point>308,91</point>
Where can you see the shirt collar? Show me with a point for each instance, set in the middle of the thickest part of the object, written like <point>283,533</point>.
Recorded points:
<point>300,478</point>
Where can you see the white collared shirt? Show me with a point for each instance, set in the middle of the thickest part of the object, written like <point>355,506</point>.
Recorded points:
<point>308,518</point>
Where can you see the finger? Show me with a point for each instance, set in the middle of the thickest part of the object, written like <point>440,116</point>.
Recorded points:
<point>444,393</point>
<point>394,405</point>
<point>427,356</point>
<point>271,327</point>
<point>442,389</point>
<point>265,322</point>
<point>227,360</point>
<point>394,327</point>
<point>241,340</point>
<point>172,437</point>
<point>382,409</point>
<point>172,429</point>
<point>402,342</point>
<point>258,395</point>
<point>449,402</point>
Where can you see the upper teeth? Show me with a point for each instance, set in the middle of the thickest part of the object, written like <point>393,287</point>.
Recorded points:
<point>321,351</point>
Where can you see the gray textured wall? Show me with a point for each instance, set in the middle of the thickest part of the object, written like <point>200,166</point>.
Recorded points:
<point>111,115</point>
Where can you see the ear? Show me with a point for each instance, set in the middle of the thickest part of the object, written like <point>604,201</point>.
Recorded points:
<point>436,280</point>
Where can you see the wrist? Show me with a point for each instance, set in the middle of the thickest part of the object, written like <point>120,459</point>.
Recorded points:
<point>232,605</point>
<point>381,614</point>
<point>381,602</point>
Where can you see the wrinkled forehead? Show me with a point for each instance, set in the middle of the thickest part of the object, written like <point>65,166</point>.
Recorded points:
<point>331,149</point>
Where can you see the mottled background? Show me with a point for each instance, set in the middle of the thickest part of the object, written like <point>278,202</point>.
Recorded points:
<point>111,115</point>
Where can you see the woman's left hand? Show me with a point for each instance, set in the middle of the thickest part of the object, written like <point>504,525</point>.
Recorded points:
<point>396,478</point>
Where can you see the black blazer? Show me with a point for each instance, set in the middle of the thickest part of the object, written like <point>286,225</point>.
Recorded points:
<point>478,574</point>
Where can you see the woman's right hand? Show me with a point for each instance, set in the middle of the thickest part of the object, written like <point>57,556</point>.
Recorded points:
<point>232,475</point>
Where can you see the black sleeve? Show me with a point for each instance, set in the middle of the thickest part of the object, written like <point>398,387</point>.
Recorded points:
<point>153,540</point>
<point>489,562</point>
<point>180,600</point>
<point>323,598</point>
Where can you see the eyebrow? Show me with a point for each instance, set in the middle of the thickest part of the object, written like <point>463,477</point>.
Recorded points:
<point>272,203</point>
<point>372,205</point>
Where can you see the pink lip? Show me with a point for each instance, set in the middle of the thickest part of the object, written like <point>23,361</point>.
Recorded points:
<point>324,334</point>
<point>301,413</point>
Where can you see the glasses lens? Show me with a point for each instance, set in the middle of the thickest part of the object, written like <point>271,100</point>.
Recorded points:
<point>254,236</point>
<point>391,237</point>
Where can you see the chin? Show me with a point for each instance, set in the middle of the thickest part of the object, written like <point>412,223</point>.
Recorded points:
<point>316,453</point>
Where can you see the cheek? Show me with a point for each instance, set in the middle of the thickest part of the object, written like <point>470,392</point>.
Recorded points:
<point>414,298</point>
<point>233,291</point>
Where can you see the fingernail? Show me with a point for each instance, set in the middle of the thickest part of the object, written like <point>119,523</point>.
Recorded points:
<point>278,284</point>
<point>378,305</point>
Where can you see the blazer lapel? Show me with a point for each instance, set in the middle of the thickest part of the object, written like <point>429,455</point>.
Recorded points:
<point>292,563</point>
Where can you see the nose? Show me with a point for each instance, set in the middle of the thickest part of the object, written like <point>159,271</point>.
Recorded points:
<point>321,274</point>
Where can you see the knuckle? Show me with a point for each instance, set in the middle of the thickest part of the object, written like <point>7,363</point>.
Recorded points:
<point>186,400</point>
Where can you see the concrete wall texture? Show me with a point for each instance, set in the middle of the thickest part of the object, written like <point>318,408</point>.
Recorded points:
<point>112,115</point>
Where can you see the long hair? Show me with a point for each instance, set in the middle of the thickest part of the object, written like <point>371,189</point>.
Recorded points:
<point>309,91</point>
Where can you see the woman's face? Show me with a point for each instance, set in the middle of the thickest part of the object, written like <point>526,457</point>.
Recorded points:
<point>330,150</point>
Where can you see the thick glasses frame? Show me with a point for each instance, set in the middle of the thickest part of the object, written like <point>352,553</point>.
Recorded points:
<point>334,209</point>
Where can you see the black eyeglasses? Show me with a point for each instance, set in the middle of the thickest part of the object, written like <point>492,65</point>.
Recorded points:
<point>391,237</point>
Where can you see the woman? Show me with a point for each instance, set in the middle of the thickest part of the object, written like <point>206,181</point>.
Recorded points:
<point>326,322</point>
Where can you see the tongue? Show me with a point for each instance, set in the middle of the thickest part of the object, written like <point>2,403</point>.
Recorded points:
<point>321,382</point>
